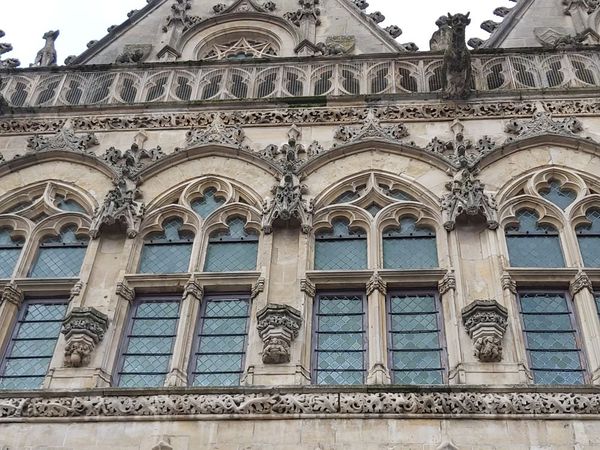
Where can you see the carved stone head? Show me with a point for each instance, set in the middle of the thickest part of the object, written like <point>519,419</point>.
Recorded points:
<point>459,21</point>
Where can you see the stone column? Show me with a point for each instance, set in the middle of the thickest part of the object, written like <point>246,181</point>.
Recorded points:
<point>188,313</point>
<point>582,291</point>
<point>10,302</point>
<point>379,372</point>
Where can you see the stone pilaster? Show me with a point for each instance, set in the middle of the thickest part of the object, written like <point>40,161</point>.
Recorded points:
<point>376,290</point>
<point>486,322</point>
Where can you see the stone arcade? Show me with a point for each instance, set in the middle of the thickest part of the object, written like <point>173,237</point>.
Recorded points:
<point>273,225</point>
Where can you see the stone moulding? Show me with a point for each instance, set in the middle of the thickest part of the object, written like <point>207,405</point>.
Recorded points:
<point>249,403</point>
<point>84,329</point>
<point>486,322</point>
<point>278,326</point>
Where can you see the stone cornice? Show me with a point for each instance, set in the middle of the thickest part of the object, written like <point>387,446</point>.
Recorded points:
<point>510,402</point>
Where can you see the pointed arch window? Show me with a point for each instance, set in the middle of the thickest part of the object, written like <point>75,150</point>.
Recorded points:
<point>168,251</point>
<point>560,196</point>
<point>60,256</point>
<point>233,250</point>
<point>207,204</point>
<point>10,250</point>
<point>68,205</point>
<point>341,248</point>
<point>409,246</point>
<point>531,244</point>
<point>588,236</point>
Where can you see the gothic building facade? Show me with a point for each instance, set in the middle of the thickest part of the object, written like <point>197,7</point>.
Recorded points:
<point>275,225</point>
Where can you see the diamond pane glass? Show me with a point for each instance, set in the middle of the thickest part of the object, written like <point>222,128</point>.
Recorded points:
<point>532,244</point>
<point>149,343</point>
<point>32,346</point>
<point>10,250</point>
<point>409,247</point>
<point>233,250</point>
<point>588,236</point>
<point>208,203</point>
<point>60,256</point>
<point>373,209</point>
<point>168,251</point>
<point>397,194</point>
<point>223,330</point>
<point>340,348</point>
<point>415,339</point>
<point>341,248</point>
<point>558,195</point>
<point>347,197</point>
<point>69,205</point>
<point>552,347</point>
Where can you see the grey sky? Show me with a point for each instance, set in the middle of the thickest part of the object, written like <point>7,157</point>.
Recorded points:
<point>81,21</point>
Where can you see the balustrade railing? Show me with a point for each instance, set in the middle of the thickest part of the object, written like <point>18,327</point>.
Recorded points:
<point>419,73</point>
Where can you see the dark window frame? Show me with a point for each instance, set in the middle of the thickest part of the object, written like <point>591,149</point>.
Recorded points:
<point>440,325</point>
<point>315,327</point>
<point>575,324</point>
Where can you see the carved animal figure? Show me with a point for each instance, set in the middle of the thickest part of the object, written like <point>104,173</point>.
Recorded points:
<point>457,71</point>
<point>47,55</point>
<point>442,37</point>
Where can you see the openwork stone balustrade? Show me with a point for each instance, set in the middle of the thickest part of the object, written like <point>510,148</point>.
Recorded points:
<point>398,74</point>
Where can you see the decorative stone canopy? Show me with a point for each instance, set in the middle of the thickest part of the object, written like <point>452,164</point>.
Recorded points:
<point>278,326</point>
<point>84,329</point>
<point>486,322</point>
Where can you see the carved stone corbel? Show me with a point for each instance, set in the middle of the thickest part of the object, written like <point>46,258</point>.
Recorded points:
<point>84,329</point>
<point>278,326</point>
<point>376,283</point>
<point>308,287</point>
<point>486,322</point>
<point>579,283</point>
<point>258,288</point>
<point>125,292</point>
<point>448,283</point>
<point>508,284</point>
<point>12,294</point>
<point>193,289</point>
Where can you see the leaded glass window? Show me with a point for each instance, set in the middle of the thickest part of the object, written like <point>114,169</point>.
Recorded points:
<point>60,256</point>
<point>409,246</point>
<point>551,339</point>
<point>233,250</point>
<point>373,209</point>
<point>31,347</point>
<point>531,244</point>
<point>221,343</point>
<point>10,250</point>
<point>168,251</point>
<point>69,205</point>
<point>415,339</point>
<point>555,193</point>
<point>340,340</point>
<point>341,248</point>
<point>397,194</point>
<point>588,236</point>
<point>148,344</point>
<point>208,203</point>
<point>348,196</point>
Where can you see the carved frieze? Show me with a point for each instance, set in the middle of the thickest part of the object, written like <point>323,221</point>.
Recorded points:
<point>278,326</point>
<point>84,329</point>
<point>540,124</point>
<point>281,403</point>
<point>486,322</point>
<point>64,139</point>
<point>467,197</point>
<point>217,132</point>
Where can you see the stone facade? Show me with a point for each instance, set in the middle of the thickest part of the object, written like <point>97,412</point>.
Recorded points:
<point>309,132</point>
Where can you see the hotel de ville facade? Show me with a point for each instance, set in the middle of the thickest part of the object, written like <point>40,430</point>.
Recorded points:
<point>276,225</point>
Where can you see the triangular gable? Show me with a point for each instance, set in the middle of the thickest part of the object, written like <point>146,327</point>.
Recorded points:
<point>152,28</point>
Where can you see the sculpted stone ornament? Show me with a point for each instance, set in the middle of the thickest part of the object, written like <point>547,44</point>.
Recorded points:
<point>442,38</point>
<point>216,133</point>
<point>64,139</point>
<point>337,45</point>
<point>486,322</point>
<point>457,72</point>
<point>179,16</point>
<point>278,326</point>
<point>581,282</point>
<point>244,6</point>
<point>588,6</point>
<point>309,10</point>
<point>541,124</point>
<point>12,294</point>
<point>134,54</point>
<point>288,201</point>
<point>467,197</point>
<point>10,63</point>
<point>371,129</point>
<point>47,55</point>
<point>132,161</point>
<point>84,329</point>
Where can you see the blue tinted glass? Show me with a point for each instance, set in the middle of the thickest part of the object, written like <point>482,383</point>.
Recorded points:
<point>57,262</point>
<point>340,349</point>
<point>588,236</point>
<point>221,349</point>
<point>415,341</point>
<point>233,250</point>
<point>208,203</point>
<point>551,339</point>
<point>341,248</point>
<point>68,205</point>
<point>32,346</point>
<point>409,253</point>
<point>532,244</point>
<point>10,250</point>
<point>161,258</point>
<point>149,344</point>
<point>347,197</point>
<point>558,195</point>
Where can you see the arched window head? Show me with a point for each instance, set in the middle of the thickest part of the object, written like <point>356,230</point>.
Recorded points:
<point>241,49</point>
<point>341,248</point>
<point>208,203</point>
<point>588,236</point>
<point>560,196</point>
<point>168,251</point>
<point>531,244</point>
<point>60,256</point>
<point>409,246</point>
<point>233,250</point>
<point>10,250</point>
